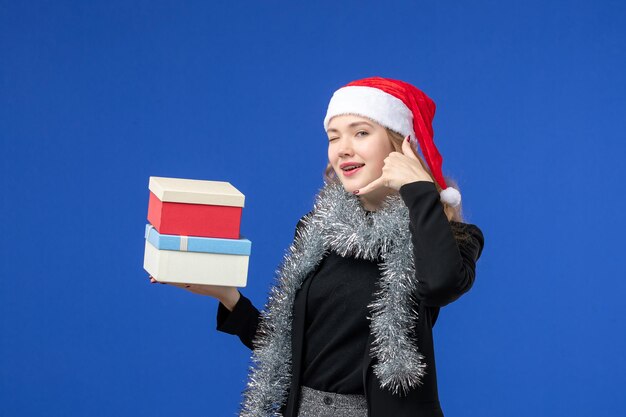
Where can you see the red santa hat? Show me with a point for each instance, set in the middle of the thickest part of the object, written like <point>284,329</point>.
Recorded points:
<point>400,107</point>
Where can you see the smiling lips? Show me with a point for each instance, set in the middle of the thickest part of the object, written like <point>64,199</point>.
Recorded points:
<point>350,168</point>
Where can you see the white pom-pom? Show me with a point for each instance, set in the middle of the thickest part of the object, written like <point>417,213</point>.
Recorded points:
<point>451,196</point>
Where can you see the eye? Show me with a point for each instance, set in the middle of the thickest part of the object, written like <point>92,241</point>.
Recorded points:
<point>332,139</point>
<point>362,131</point>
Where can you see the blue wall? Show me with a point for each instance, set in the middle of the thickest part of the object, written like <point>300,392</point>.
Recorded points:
<point>98,96</point>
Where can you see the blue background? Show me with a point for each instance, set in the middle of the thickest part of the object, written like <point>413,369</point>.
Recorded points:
<point>98,96</point>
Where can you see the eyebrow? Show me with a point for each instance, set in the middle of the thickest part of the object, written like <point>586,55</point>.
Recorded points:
<point>351,125</point>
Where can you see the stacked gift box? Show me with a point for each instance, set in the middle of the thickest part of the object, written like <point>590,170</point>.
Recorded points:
<point>193,236</point>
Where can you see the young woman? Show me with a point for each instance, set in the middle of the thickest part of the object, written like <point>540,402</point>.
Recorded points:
<point>347,329</point>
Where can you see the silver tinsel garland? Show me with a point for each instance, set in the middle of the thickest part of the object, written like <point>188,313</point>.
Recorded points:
<point>339,223</point>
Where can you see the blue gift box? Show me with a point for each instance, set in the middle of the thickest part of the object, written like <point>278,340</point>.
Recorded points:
<point>197,244</point>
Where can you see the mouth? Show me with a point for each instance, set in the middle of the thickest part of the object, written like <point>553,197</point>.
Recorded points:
<point>351,169</point>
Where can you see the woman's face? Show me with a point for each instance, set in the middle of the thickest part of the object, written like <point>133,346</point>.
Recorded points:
<point>357,141</point>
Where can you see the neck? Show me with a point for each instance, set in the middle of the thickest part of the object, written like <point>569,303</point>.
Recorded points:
<point>373,201</point>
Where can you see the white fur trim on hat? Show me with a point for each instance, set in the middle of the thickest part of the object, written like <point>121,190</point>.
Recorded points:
<point>375,104</point>
<point>451,196</point>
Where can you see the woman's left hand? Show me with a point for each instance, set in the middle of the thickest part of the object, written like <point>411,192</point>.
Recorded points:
<point>400,168</point>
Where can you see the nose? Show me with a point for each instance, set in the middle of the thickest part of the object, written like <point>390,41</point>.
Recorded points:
<point>345,148</point>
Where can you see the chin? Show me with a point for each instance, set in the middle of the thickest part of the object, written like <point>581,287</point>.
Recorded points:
<point>353,185</point>
<point>349,188</point>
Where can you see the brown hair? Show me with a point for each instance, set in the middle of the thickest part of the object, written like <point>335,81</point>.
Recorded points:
<point>452,213</point>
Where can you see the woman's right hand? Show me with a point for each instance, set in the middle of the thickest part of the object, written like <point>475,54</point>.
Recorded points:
<point>226,295</point>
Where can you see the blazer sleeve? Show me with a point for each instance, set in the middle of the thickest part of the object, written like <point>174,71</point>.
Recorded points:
<point>445,252</point>
<point>243,320</point>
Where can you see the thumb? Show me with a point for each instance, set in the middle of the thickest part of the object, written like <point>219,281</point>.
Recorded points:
<point>407,149</point>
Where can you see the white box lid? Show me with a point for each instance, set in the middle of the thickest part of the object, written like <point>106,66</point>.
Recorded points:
<point>179,190</point>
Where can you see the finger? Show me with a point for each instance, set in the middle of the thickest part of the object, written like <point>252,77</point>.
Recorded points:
<point>154,281</point>
<point>380,182</point>
<point>183,286</point>
<point>407,148</point>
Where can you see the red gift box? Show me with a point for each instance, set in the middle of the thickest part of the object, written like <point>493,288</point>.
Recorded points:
<point>195,207</point>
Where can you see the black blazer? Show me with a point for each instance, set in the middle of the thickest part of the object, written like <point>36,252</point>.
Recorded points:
<point>444,275</point>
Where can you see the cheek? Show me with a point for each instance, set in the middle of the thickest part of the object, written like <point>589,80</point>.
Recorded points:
<point>377,159</point>
<point>377,167</point>
<point>331,160</point>
<point>331,152</point>
<point>379,148</point>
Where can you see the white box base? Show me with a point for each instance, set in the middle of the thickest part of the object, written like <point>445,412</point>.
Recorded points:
<point>196,267</point>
